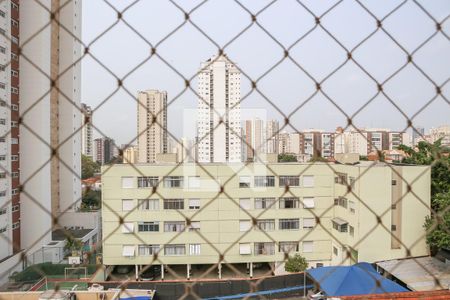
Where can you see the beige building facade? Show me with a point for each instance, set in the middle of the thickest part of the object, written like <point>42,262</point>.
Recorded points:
<point>331,214</point>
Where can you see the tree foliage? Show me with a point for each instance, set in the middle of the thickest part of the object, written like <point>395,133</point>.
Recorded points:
<point>91,200</point>
<point>73,244</point>
<point>438,224</point>
<point>88,167</point>
<point>284,157</point>
<point>296,263</point>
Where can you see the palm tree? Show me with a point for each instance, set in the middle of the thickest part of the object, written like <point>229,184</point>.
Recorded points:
<point>73,245</point>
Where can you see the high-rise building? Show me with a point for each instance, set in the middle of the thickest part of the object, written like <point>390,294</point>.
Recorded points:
<point>255,138</point>
<point>417,134</point>
<point>86,132</point>
<point>130,153</point>
<point>46,75</point>
<point>104,150</point>
<point>272,131</point>
<point>152,125</point>
<point>218,123</point>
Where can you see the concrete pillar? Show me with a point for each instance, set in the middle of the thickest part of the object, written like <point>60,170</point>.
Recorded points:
<point>162,272</point>
<point>188,270</point>
<point>251,270</point>
<point>220,270</point>
<point>136,270</point>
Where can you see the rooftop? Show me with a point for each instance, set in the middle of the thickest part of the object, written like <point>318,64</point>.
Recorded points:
<point>61,234</point>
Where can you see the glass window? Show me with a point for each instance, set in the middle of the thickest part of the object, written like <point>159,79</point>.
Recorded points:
<point>264,181</point>
<point>173,203</point>
<point>266,225</point>
<point>172,250</point>
<point>245,248</point>
<point>148,226</point>
<point>194,249</point>
<point>175,226</point>
<point>288,247</point>
<point>289,181</point>
<point>194,203</point>
<point>308,181</point>
<point>146,250</point>
<point>308,202</point>
<point>263,203</point>
<point>291,202</point>
<point>244,181</point>
<point>173,181</point>
<point>289,224</point>
<point>195,226</point>
<point>265,248</point>
<point>127,182</point>
<point>149,181</point>
<point>148,204</point>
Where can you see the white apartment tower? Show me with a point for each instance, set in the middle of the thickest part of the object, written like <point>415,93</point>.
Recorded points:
<point>50,137</point>
<point>219,115</point>
<point>152,125</point>
<point>86,132</point>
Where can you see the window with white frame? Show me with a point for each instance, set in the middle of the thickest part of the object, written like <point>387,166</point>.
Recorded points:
<point>174,226</point>
<point>195,226</point>
<point>244,181</point>
<point>173,181</point>
<point>265,248</point>
<point>264,203</point>
<point>127,204</point>
<point>289,224</point>
<point>308,180</point>
<point>307,246</point>
<point>351,206</point>
<point>148,226</point>
<point>194,249</point>
<point>245,203</point>
<point>288,247</point>
<point>245,225</point>
<point>173,203</point>
<point>245,248</point>
<point>266,224</point>
<point>147,250</point>
<point>148,204</point>
<point>127,182</point>
<point>308,202</point>
<point>128,250</point>
<point>194,203</point>
<point>194,182</point>
<point>289,181</point>
<point>309,223</point>
<point>264,181</point>
<point>173,250</point>
<point>128,227</point>
<point>289,202</point>
<point>148,181</point>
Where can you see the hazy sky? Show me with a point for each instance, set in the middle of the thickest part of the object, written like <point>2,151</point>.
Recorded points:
<point>255,52</point>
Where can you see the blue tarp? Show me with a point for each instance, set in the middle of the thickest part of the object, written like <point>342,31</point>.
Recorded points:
<point>358,279</point>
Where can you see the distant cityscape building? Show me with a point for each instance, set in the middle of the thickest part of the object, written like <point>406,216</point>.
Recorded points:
<point>218,118</point>
<point>104,150</point>
<point>151,125</point>
<point>255,138</point>
<point>441,132</point>
<point>130,154</point>
<point>418,133</point>
<point>272,131</point>
<point>86,131</point>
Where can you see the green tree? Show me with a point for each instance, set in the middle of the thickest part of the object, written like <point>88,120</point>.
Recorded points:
<point>73,245</point>
<point>91,199</point>
<point>88,167</point>
<point>284,157</point>
<point>438,225</point>
<point>296,263</point>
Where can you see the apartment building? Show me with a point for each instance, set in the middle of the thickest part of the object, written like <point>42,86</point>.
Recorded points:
<point>255,138</point>
<point>104,150</point>
<point>86,132</point>
<point>151,125</point>
<point>219,112</point>
<point>253,214</point>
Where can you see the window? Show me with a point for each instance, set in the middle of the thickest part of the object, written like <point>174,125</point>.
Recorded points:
<point>3,211</point>
<point>245,248</point>
<point>175,226</point>
<point>15,208</point>
<point>2,175</point>
<point>244,203</point>
<point>15,225</point>
<point>14,56</point>
<point>148,204</point>
<point>3,229</point>
<point>291,202</point>
<point>244,225</point>
<point>244,181</point>
<point>194,203</point>
<point>352,182</point>
<point>309,223</point>
<point>146,250</point>
<point>341,201</point>
<point>148,226</point>
<point>307,246</point>
<point>341,178</point>
<point>340,225</point>
<point>194,249</point>
<point>394,227</point>
<point>351,205</point>
<point>351,230</point>
<point>173,181</point>
<point>394,182</point>
<point>14,192</point>
<point>2,157</point>
<point>14,40</point>
<point>263,203</point>
<point>14,157</point>
<point>264,248</point>
<point>308,181</point>
<point>266,225</point>
<point>14,107</point>
<point>308,202</point>
<point>14,90</point>
<point>319,265</point>
<point>146,182</point>
<point>2,13</point>
<point>195,226</point>
<point>289,224</point>
<point>288,247</point>
<point>14,124</point>
<point>172,250</point>
<point>289,181</point>
<point>173,203</point>
<point>14,23</point>
<point>264,181</point>
<point>194,182</point>
<point>127,182</point>
<point>14,6</point>
<point>2,121</point>
<point>14,141</point>
<point>128,227</point>
<point>2,193</point>
<point>128,250</point>
<point>2,67</point>
<point>335,251</point>
<point>127,204</point>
